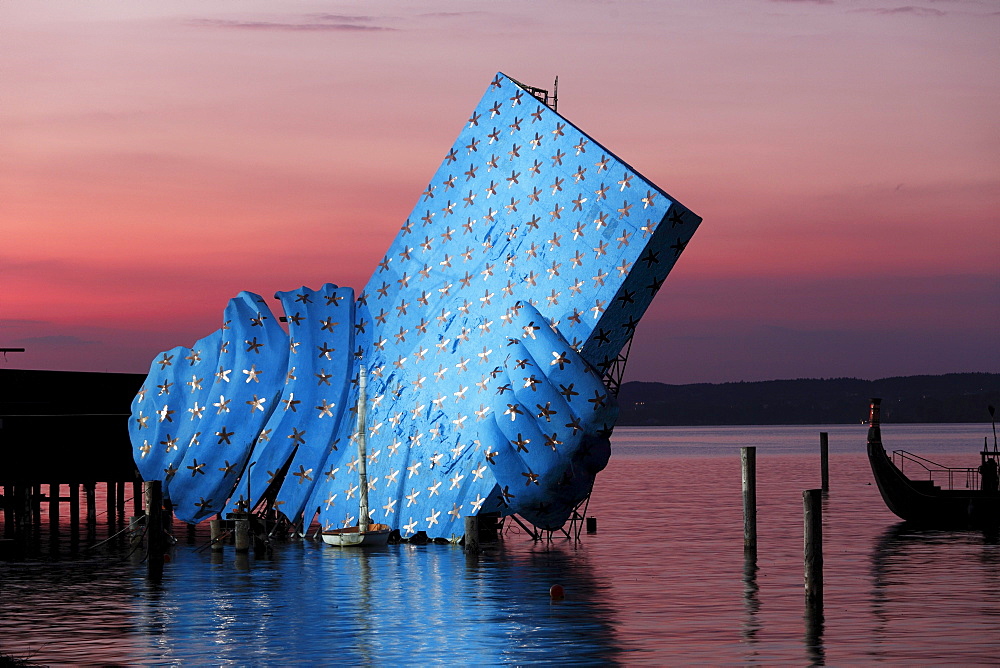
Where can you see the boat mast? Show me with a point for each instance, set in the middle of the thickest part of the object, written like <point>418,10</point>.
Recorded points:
<point>362,453</point>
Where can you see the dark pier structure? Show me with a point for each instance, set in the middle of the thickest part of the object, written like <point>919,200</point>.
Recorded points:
<point>64,437</point>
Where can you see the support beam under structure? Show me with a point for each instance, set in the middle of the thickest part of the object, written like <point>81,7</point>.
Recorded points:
<point>615,370</point>
<point>571,530</point>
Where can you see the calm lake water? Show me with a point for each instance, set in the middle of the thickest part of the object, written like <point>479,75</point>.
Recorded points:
<point>663,581</point>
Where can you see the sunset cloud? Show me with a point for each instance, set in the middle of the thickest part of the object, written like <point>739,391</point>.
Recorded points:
<point>906,9</point>
<point>310,23</point>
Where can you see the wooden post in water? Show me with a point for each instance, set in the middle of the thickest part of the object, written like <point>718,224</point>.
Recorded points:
<point>120,509</point>
<point>8,511</point>
<point>36,505</point>
<point>24,524</point>
<point>812,547</point>
<point>215,527</point>
<point>112,503</point>
<point>824,460</point>
<point>472,534</point>
<point>90,489</point>
<point>54,508</point>
<point>748,460</point>
<point>28,508</point>
<point>137,505</point>
<point>74,513</point>
<point>154,529</point>
<point>242,531</point>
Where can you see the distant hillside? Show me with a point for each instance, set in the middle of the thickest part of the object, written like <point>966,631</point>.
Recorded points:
<point>955,397</point>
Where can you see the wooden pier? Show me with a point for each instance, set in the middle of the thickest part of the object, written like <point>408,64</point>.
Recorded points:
<point>54,463</point>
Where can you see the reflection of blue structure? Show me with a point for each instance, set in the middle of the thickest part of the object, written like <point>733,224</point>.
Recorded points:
<point>492,329</point>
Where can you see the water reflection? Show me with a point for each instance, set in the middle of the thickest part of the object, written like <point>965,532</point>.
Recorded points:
<point>751,599</point>
<point>814,623</point>
<point>399,604</point>
<point>813,617</point>
<point>71,609</point>
<point>932,580</point>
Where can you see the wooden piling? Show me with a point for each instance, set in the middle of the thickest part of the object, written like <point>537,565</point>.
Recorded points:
<point>36,505</point>
<point>8,511</point>
<point>591,525</point>
<point>472,534</point>
<point>748,460</point>
<point>812,547</point>
<point>215,527</point>
<point>824,460</point>
<point>23,522</point>
<point>242,531</point>
<point>137,502</point>
<point>155,545</point>
<point>54,508</point>
<point>120,508</point>
<point>191,533</point>
<point>90,490</point>
<point>112,503</point>
<point>74,512</point>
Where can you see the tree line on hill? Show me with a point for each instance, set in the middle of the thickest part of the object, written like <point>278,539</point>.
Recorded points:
<point>955,397</point>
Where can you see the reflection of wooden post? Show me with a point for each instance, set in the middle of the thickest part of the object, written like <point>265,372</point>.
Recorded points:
<point>824,460</point>
<point>135,530</point>
<point>154,529</point>
<point>472,534</point>
<point>812,547</point>
<point>748,459</point>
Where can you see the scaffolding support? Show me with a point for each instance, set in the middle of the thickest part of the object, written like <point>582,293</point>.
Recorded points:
<point>614,370</point>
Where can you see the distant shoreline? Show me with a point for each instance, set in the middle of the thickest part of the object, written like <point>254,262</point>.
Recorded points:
<point>947,398</point>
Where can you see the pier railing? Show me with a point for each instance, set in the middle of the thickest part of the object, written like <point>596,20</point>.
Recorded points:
<point>945,477</point>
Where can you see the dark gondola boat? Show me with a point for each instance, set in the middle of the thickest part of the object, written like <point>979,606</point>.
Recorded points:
<point>934,500</point>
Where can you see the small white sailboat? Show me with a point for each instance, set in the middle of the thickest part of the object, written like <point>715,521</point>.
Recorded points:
<point>364,533</point>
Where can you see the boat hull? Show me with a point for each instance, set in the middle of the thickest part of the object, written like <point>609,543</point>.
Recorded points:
<point>920,502</point>
<point>376,535</point>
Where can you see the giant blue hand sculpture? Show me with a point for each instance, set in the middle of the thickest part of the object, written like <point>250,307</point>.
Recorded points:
<point>489,329</point>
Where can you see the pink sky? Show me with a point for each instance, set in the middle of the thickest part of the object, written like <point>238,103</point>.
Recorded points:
<point>157,158</point>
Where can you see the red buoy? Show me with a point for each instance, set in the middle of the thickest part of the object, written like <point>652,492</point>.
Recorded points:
<point>556,592</point>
